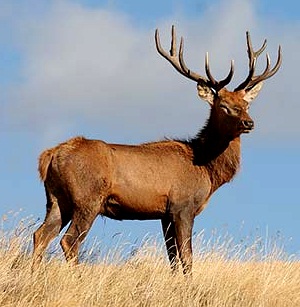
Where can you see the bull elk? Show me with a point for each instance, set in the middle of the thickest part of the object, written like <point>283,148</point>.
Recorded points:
<point>170,180</point>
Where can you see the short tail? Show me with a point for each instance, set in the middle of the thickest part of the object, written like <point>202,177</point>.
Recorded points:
<point>44,162</point>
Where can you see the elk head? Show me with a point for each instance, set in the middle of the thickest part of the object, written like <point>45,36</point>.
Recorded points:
<point>229,109</point>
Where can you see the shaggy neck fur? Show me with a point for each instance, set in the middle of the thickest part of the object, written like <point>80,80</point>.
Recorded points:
<point>218,153</point>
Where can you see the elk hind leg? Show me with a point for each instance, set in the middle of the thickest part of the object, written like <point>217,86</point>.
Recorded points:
<point>48,230</point>
<point>81,223</point>
<point>57,217</point>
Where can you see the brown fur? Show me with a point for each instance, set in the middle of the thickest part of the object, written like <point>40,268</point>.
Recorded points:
<point>170,180</point>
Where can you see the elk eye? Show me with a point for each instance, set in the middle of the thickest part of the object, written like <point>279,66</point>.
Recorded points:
<point>225,109</point>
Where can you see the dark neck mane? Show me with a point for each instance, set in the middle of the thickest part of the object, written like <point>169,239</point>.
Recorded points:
<point>219,155</point>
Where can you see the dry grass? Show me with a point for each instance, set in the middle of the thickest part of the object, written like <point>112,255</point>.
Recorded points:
<point>224,275</point>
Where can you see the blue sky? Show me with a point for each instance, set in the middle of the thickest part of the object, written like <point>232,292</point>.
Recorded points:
<point>90,68</point>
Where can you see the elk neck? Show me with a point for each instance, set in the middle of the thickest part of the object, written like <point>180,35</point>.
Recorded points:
<point>218,153</point>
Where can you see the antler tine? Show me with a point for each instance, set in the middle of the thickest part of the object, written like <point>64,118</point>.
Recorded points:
<point>252,80</point>
<point>177,61</point>
<point>251,53</point>
<point>173,42</point>
<point>172,57</point>
<point>278,63</point>
<point>207,71</point>
<point>189,73</point>
<point>267,72</point>
<point>217,85</point>
<point>255,79</point>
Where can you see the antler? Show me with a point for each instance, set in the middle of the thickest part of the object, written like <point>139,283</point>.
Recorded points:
<point>252,80</point>
<point>178,63</point>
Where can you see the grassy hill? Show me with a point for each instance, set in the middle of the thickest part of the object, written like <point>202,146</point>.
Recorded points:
<point>224,274</point>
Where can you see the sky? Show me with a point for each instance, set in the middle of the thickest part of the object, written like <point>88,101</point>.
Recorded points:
<point>90,68</point>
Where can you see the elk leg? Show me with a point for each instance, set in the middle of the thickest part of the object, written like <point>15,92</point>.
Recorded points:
<point>49,229</point>
<point>183,230</point>
<point>76,233</point>
<point>169,235</point>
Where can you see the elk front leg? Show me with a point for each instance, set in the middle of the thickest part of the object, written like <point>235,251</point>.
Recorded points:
<point>169,236</point>
<point>184,221</point>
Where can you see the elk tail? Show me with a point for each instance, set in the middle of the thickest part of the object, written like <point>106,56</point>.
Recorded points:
<point>44,162</point>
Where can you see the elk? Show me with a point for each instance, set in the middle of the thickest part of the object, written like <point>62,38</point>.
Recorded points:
<point>170,180</point>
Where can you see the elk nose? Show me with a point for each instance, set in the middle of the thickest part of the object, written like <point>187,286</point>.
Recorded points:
<point>248,124</point>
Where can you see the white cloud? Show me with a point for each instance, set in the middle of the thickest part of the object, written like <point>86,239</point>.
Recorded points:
<point>93,69</point>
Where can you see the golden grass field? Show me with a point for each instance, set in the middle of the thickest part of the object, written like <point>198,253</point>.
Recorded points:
<point>224,274</point>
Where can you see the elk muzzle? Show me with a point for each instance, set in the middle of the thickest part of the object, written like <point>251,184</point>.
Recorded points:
<point>247,125</point>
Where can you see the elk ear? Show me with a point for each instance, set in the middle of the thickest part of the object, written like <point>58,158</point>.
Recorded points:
<point>205,92</point>
<point>253,92</point>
